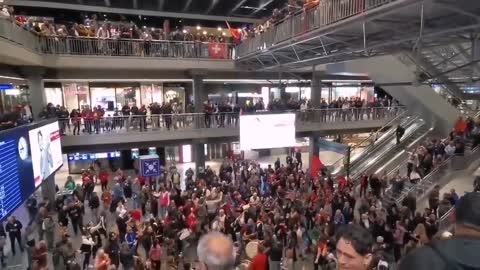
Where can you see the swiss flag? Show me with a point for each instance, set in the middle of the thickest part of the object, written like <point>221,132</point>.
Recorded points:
<point>217,50</point>
<point>316,165</point>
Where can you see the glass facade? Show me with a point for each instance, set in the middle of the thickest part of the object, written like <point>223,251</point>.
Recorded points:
<point>112,96</point>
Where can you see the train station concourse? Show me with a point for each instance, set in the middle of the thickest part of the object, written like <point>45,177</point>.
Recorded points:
<point>239,134</point>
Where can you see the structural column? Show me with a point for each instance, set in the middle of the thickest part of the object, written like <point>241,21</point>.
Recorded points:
<point>314,148</point>
<point>37,98</point>
<point>316,90</point>
<point>48,188</point>
<point>198,93</point>
<point>199,157</point>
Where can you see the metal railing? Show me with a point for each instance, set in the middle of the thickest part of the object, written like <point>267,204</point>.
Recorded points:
<point>135,47</point>
<point>202,120</point>
<point>445,222</point>
<point>325,13</point>
<point>113,47</point>
<point>337,166</point>
<point>14,33</point>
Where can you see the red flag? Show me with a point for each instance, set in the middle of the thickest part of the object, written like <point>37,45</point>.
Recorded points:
<point>234,32</point>
<point>217,50</point>
<point>316,165</point>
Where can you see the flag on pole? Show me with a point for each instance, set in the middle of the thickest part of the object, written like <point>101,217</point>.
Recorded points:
<point>234,32</point>
<point>316,165</point>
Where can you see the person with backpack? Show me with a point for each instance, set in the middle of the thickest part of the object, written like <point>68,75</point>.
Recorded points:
<point>459,252</point>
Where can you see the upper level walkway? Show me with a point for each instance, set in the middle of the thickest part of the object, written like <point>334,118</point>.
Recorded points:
<point>20,47</point>
<point>341,30</point>
<point>145,131</point>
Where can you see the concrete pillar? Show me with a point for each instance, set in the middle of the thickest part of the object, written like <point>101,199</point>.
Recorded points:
<point>475,56</point>
<point>37,97</point>
<point>199,95</point>
<point>199,156</point>
<point>316,91</point>
<point>314,148</point>
<point>48,188</point>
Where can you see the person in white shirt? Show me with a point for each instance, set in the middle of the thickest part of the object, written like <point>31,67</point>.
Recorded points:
<point>450,149</point>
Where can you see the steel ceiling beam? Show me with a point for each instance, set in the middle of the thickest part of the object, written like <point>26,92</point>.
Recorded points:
<point>152,13</point>
<point>213,3</point>
<point>187,6</point>
<point>379,46</point>
<point>262,6</point>
<point>237,6</point>
<point>161,4</point>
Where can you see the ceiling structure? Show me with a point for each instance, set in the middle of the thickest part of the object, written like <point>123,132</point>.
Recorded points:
<point>240,11</point>
<point>437,34</point>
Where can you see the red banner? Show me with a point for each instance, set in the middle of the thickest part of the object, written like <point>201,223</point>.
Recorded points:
<point>217,50</point>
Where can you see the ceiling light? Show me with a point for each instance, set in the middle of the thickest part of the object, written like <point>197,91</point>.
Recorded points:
<point>224,34</point>
<point>104,15</point>
<point>219,29</point>
<point>204,32</point>
<point>184,31</point>
<point>198,27</point>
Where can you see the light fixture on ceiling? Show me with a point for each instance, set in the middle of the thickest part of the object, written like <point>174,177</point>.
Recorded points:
<point>184,31</point>
<point>199,27</point>
<point>205,32</point>
<point>219,29</point>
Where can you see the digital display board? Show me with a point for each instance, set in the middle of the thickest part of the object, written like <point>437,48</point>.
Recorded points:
<point>267,131</point>
<point>46,149</point>
<point>16,174</point>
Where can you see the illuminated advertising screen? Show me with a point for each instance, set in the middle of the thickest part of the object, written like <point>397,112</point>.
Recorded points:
<point>46,151</point>
<point>267,131</point>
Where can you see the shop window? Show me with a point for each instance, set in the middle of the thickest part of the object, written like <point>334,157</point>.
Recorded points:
<point>54,96</point>
<point>103,97</point>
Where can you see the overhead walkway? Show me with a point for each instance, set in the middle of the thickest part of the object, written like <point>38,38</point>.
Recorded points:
<point>340,30</point>
<point>186,128</point>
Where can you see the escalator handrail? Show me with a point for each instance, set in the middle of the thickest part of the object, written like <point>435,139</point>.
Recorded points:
<point>430,175</point>
<point>369,151</point>
<point>404,162</point>
<point>392,147</point>
<point>388,124</point>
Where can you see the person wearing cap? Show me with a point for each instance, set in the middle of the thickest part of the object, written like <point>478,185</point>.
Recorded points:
<point>457,252</point>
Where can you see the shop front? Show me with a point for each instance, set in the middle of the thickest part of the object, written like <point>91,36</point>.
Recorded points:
<point>12,95</point>
<point>113,96</point>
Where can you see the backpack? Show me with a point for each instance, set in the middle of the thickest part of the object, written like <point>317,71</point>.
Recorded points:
<point>450,265</point>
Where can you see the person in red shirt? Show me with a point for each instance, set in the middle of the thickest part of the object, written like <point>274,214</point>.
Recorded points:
<point>260,261</point>
<point>103,176</point>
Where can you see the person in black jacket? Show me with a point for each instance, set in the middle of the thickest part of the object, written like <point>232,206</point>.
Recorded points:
<point>458,252</point>
<point>113,249</point>
<point>3,238</point>
<point>14,230</point>
<point>399,133</point>
<point>94,204</point>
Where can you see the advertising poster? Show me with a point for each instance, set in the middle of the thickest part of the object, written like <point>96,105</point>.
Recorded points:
<point>46,151</point>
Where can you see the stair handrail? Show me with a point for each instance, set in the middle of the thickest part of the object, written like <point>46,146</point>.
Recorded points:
<point>339,162</point>
<point>430,175</point>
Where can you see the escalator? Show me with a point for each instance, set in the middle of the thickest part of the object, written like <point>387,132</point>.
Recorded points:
<point>359,152</point>
<point>388,150</point>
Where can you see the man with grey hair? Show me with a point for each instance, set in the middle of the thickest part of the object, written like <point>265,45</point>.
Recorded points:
<point>215,252</point>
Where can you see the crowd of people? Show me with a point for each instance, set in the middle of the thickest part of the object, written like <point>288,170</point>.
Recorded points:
<point>290,212</point>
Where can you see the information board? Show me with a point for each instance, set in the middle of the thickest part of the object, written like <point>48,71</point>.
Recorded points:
<point>16,173</point>
<point>150,166</point>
